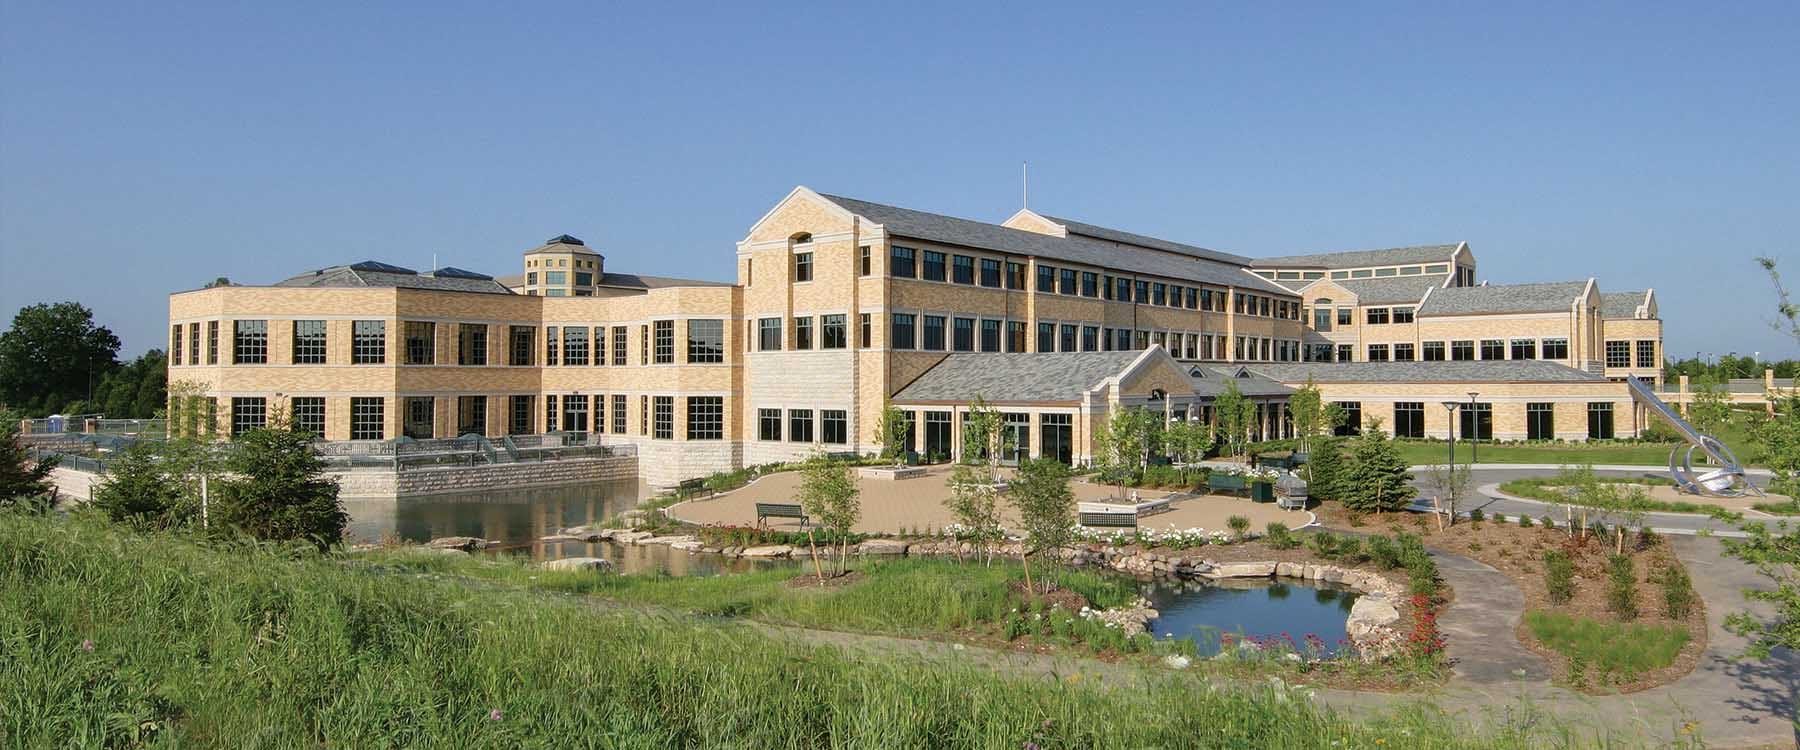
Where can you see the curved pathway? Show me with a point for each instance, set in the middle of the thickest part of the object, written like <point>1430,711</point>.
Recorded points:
<point>1487,479</point>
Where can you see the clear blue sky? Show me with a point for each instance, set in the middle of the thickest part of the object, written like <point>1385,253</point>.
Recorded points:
<point>148,148</point>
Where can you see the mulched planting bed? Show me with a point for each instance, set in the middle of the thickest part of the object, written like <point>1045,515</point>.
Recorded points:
<point>1519,553</point>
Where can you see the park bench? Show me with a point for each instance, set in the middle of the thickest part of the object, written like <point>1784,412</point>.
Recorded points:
<point>1226,483</point>
<point>1112,520</point>
<point>779,510</point>
<point>691,487</point>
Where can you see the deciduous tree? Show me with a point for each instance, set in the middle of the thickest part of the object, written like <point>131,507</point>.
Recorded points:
<point>1040,492</point>
<point>52,356</point>
<point>829,493</point>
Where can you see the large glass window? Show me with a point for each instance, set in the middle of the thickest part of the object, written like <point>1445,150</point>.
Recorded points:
<point>1403,315</point>
<point>1403,352</point>
<point>834,426</point>
<point>664,333</point>
<point>619,337</point>
<point>1015,275</point>
<point>1090,284</point>
<point>962,338</point>
<point>1321,318</point>
<point>250,342</point>
<point>1555,348</point>
<point>212,342</point>
<point>800,425</point>
<point>990,335</point>
<point>521,341</point>
<point>1646,353</point>
<point>1352,418</point>
<point>803,267</point>
<point>471,343</point>
<point>664,422</point>
<point>368,418</point>
<point>309,415</point>
<point>1015,336</point>
<point>1600,420</point>
<point>990,273</point>
<point>1046,337</point>
<point>421,418</point>
<point>901,337</point>
<point>471,415</point>
<point>706,341</point>
<point>421,342</point>
<point>1618,354</point>
<point>194,343</point>
<point>248,413</point>
<point>1378,352</point>
<point>618,414</point>
<point>309,342</point>
<point>1090,338</point>
<point>575,345</point>
<point>1477,421</point>
<point>1432,351</point>
<point>932,269</point>
<point>1493,349</point>
<point>1067,341</point>
<point>937,436</point>
<point>518,418</point>
<point>1462,351</point>
<point>1378,315</point>
<point>1046,278</point>
<point>575,413</point>
<point>1540,421</point>
<point>803,333</point>
<point>1524,348</point>
<point>832,333</point>
<point>768,334</point>
<point>1066,281</point>
<point>552,344</point>
<point>900,262</point>
<point>962,269</point>
<point>1057,436</point>
<point>705,418</point>
<point>933,338</point>
<point>1409,419</point>
<point>768,424</point>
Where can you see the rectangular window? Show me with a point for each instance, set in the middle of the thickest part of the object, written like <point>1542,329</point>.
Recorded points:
<point>1524,348</point>
<point>421,342</point>
<point>1403,315</point>
<point>309,415</point>
<point>471,415</point>
<point>1090,338</point>
<point>1462,351</point>
<point>644,416</point>
<point>962,337</point>
<point>194,343</point>
<point>1343,316</point>
<point>1555,348</point>
<point>250,342</point>
<point>901,335</point>
<point>584,278</point>
<point>664,332</point>
<point>1015,275</point>
<point>1352,418</point>
<point>1646,353</point>
<point>664,422</point>
<point>521,341</point>
<point>471,344</point>
<point>834,426</point>
<point>933,267</point>
<point>1403,352</point>
<point>1321,318</point>
<point>518,417</point>
<point>803,333</point>
<point>421,417</point>
<point>599,413</point>
<point>1409,419</point>
<point>1346,353</point>
<point>1600,420</point>
<point>862,260</point>
<point>1015,336</point>
<point>1090,284</point>
<point>990,335</point>
<point>768,334</point>
<point>803,267</point>
<point>1477,421</point>
<point>832,333</point>
<point>556,278</point>
<point>934,333</point>
<point>1378,315</point>
<point>619,336</point>
<point>575,345</point>
<point>705,418</point>
<point>1142,292</point>
<point>1618,354</point>
<point>552,340</point>
<point>1493,349</point>
<point>248,413</point>
<point>900,262</point>
<point>212,343</point>
<point>1121,289</point>
<point>618,414</point>
<point>800,425</point>
<point>575,413</point>
<point>705,341</point>
<point>1066,281</point>
<point>368,418</point>
<point>1432,351</point>
<point>962,269</point>
<point>1540,421</point>
<point>1046,337</point>
<point>309,342</point>
<point>768,424</point>
<point>1193,298</point>
<point>990,273</point>
<point>1158,293</point>
<point>1046,281</point>
<point>868,329</point>
<point>1067,342</point>
<point>1378,353</point>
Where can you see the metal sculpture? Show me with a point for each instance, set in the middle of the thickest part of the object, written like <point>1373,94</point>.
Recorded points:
<point>1727,480</point>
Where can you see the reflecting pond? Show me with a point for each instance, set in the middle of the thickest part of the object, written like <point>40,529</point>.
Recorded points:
<point>1258,608</point>
<point>518,518</point>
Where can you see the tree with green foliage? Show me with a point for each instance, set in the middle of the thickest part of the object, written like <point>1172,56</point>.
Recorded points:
<point>1377,479</point>
<point>138,491</point>
<point>984,435</point>
<point>891,430</point>
<point>1188,441</point>
<point>1307,410</point>
<point>974,482</point>
<point>1234,414</point>
<point>53,356</point>
<point>1040,492</point>
<point>1711,408</point>
<point>136,390</point>
<point>1779,440</point>
<point>1449,483</point>
<point>1325,469</point>
<point>23,479</point>
<point>829,493</point>
<point>1123,445</point>
<point>276,489</point>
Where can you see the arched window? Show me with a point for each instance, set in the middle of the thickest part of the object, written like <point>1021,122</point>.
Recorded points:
<point>801,238</point>
<point>1322,301</point>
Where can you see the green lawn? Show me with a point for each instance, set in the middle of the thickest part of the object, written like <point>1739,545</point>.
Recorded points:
<point>1571,454</point>
<point>114,639</point>
<point>1607,653</point>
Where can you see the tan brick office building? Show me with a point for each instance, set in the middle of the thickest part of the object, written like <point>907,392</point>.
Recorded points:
<point>837,306</point>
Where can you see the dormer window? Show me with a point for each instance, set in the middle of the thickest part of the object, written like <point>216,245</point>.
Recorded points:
<point>801,238</point>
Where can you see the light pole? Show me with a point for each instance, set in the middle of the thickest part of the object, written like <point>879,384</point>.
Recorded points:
<point>1475,427</point>
<point>1450,429</point>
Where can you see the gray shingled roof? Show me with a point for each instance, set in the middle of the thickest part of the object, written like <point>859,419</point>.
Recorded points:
<point>1392,256</point>
<point>1621,304</point>
<point>1392,289</point>
<point>906,222</point>
<point>1507,298</point>
<point>1481,371</point>
<point>1117,235</point>
<point>1011,378</point>
<point>638,281</point>
<point>1212,378</point>
<point>351,276</point>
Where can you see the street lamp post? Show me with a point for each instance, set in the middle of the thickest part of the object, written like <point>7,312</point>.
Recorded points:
<point>1450,429</point>
<point>1475,427</point>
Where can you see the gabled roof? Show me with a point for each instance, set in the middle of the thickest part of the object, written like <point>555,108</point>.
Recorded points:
<point>376,274</point>
<point>1086,250</point>
<point>1394,289</point>
<point>1480,371</point>
<point>1015,378</point>
<point>1623,304</point>
<point>1130,238</point>
<point>1393,256</point>
<point>1503,298</point>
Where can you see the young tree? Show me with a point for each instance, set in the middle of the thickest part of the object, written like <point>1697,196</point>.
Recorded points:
<point>974,482</point>
<point>891,431</point>
<point>278,490</point>
<point>828,492</point>
<point>1235,414</point>
<point>984,436</point>
<point>1378,476</point>
<point>1711,408</point>
<point>139,491</point>
<point>53,355</point>
<point>1779,438</point>
<point>1307,410</point>
<point>1449,484</point>
<point>1123,445</point>
<point>22,478</point>
<point>1325,468</point>
<point>1188,441</point>
<point>1040,492</point>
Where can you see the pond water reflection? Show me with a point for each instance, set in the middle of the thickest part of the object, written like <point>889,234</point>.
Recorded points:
<point>1260,608</point>
<point>518,518</point>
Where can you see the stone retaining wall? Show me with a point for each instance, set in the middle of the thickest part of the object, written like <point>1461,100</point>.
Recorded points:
<point>379,484</point>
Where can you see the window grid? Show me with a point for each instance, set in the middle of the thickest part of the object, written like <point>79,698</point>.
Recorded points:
<point>664,332</point>
<point>309,414</point>
<point>421,346</point>
<point>834,426</point>
<point>250,342</point>
<point>368,417</point>
<point>248,413</point>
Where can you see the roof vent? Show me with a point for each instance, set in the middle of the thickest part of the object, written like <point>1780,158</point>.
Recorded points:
<point>565,239</point>
<point>452,272</point>
<point>1196,372</point>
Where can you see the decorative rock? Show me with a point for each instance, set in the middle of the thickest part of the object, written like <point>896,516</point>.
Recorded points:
<point>1290,570</point>
<point>882,547</point>
<point>669,540</point>
<point>1176,661</point>
<point>463,543</point>
<point>1244,570</point>
<point>773,550</point>
<point>560,538</point>
<point>632,537</point>
<point>692,545</point>
<point>579,563</point>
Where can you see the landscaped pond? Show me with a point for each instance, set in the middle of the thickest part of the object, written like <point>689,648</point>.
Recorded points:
<point>1310,613</point>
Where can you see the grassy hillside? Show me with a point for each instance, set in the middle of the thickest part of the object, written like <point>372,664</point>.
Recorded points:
<point>109,639</point>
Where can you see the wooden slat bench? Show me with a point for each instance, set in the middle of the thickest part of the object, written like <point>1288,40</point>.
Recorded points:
<point>1226,483</point>
<point>1110,520</point>
<point>691,487</point>
<point>780,510</point>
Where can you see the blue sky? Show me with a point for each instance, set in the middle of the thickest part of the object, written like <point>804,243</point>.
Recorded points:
<point>147,148</point>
